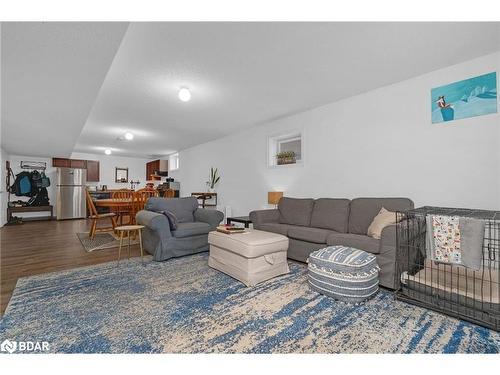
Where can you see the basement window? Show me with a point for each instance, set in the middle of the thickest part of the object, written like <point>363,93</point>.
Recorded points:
<point>173,161</point>
<point>285,149</point>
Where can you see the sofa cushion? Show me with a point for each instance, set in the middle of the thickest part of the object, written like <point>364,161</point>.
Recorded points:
<point>363,211</point>
<point>274,228</point>
<point>183,208</point>
<point>191,229</point>
<point>358,241</point>
<point>309,234</point>
<point>330,213</point>
<point>295,211</point>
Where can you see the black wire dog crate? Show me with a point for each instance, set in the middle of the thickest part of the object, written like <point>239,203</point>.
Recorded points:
<point>471,294</point>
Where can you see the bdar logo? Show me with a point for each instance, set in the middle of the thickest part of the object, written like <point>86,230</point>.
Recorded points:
<point>8,346</point>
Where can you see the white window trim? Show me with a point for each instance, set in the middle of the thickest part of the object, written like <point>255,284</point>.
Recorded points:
<point>272,147</point>
<point>170,158</point>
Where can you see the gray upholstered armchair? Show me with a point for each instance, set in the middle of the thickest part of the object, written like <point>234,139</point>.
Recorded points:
<point>191,235</point>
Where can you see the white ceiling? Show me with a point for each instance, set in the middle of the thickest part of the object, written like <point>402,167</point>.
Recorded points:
<point>51,75</point>
<point>240,75</point>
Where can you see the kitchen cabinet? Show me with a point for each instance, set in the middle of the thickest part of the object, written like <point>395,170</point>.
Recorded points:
<point>151,167</point>
<point>69,163</point>
<point>154,166</point>
<point>91,166</point>
<point>92,171</point>
<point>61,163</point>
<point>81,164</point>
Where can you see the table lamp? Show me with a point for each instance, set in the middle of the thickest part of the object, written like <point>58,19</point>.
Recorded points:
<point>273,197</point>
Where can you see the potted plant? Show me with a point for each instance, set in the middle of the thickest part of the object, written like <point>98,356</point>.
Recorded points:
<point>286,157</point>
<point>214,179</point>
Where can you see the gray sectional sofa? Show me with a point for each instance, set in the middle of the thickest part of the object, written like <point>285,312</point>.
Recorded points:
<point>311,224</point>
<point>191,235</point>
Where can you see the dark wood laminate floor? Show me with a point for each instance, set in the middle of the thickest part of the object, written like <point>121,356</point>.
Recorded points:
<point>44,246</point>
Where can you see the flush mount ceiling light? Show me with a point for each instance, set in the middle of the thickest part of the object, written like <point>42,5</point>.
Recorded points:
<point>107,151</point>
<point>128,136</point>
<point>184,94</point>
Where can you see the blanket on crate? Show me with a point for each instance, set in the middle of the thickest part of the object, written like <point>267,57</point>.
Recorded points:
<point>456,240</point>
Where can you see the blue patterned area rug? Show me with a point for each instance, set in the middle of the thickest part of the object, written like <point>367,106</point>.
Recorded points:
<point>183,306</point>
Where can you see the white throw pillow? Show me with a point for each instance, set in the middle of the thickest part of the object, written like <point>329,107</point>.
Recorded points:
<point>383,219</point>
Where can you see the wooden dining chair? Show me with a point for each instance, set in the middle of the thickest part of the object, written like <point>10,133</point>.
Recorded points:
<point>169,193</point>
<point>123,211</point>
<point>95,217</point>
<point>122,194</point>
<point>139,200</point>
<point>146,191</point>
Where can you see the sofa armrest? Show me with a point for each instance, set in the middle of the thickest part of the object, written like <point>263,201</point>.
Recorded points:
<point>154,221</point>
<point>212,217</point>
<point>264,216</point>
<point>386,258</point>
<point>388,236</point>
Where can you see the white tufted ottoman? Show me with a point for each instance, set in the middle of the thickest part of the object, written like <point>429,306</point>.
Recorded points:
<point>250,257</point>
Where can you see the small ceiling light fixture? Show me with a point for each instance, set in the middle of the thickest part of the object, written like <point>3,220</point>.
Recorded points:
<point>129,136</point>
<point>184,94</point>
<point>107,151</point>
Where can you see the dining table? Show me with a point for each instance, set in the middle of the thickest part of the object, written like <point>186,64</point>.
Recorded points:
<point>117,205</point>
<point>114,203</point>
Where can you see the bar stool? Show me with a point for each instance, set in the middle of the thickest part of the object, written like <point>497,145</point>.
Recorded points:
<point>128,229</point>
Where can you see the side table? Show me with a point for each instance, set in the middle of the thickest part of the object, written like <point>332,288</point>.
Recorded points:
<point>240,219</point>
<point>127,229</point>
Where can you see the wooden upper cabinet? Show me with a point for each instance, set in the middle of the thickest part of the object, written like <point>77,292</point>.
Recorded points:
<point>92,166</point>
<point>151,167</point>
<point>92,171</point>
<point>61,163</point>
<point>74,163</point>
<point>69,163</point>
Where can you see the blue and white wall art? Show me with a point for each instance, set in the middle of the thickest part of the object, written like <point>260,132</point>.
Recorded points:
<point>468,98</point>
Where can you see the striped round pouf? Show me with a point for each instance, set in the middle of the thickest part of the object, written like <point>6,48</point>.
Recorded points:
<point>344,273</point>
